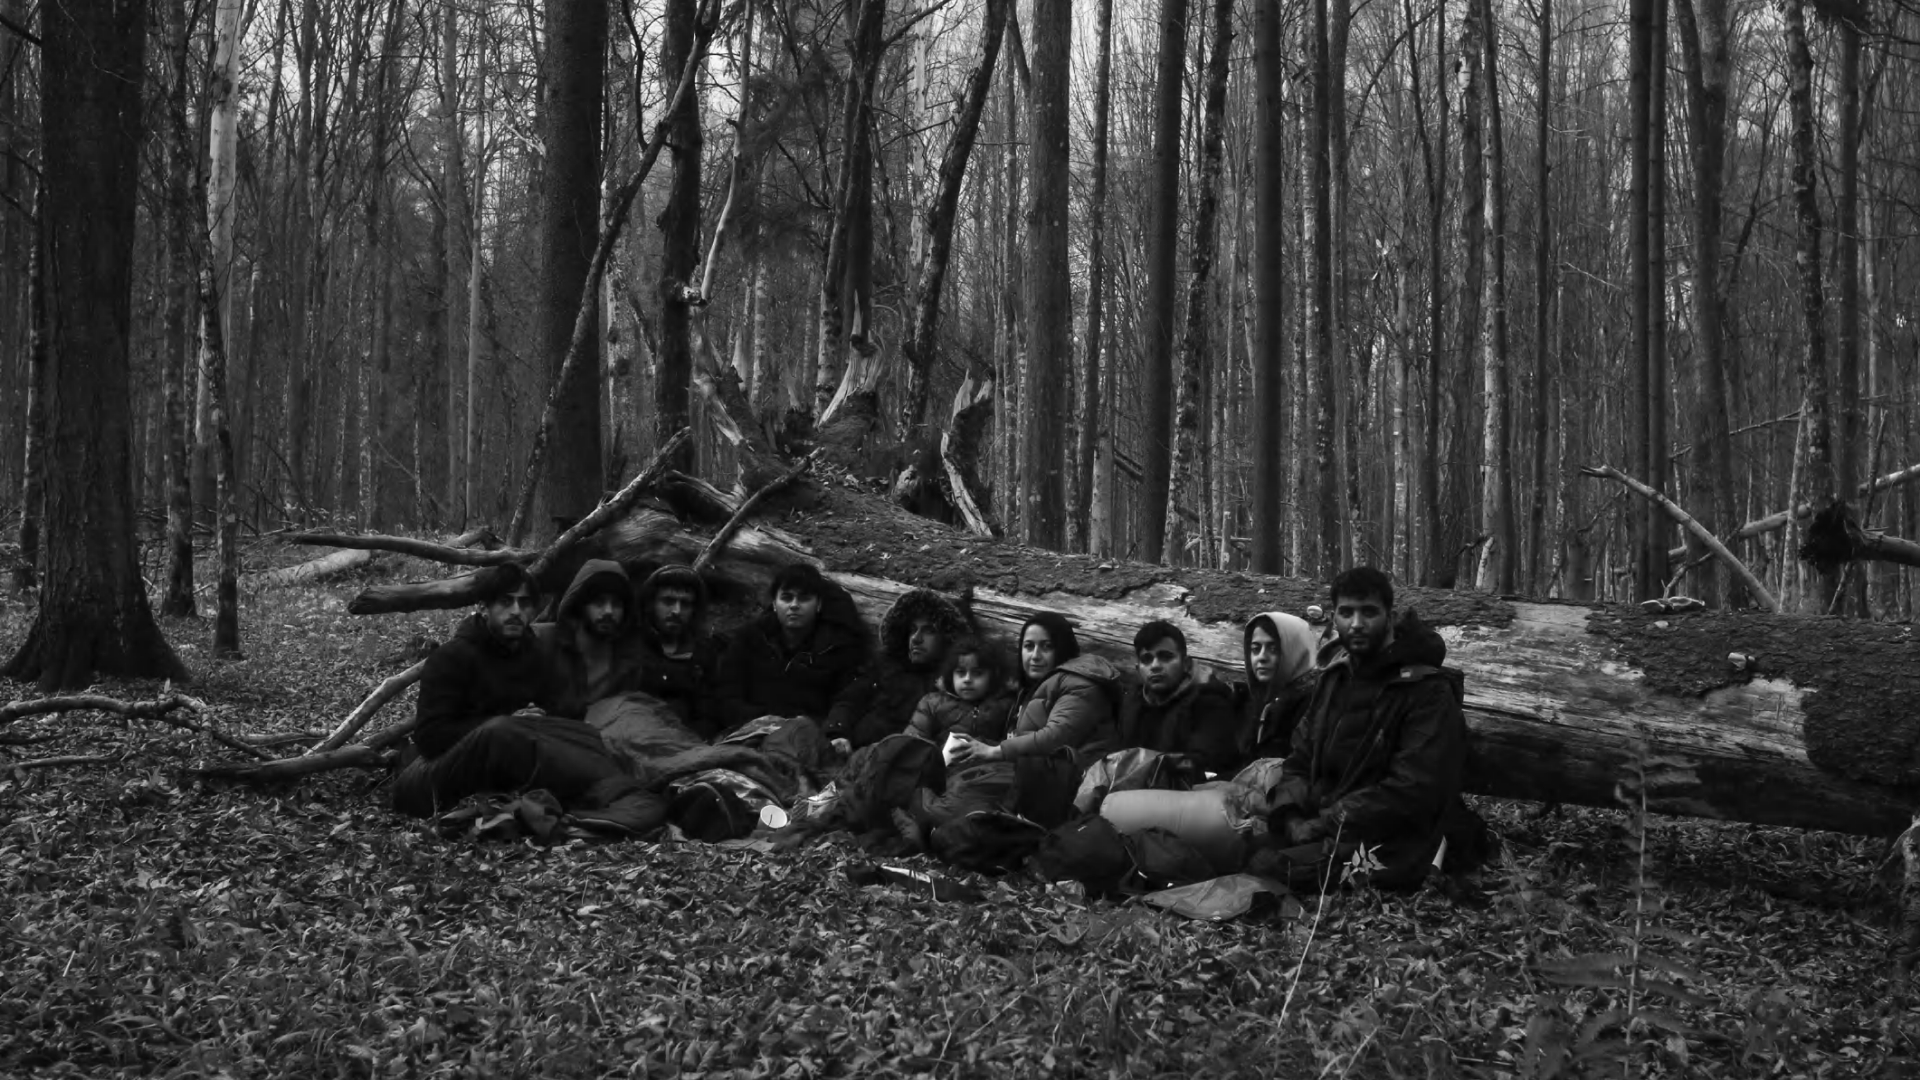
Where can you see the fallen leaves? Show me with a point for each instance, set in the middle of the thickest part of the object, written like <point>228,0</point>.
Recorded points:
<point>156,924</point>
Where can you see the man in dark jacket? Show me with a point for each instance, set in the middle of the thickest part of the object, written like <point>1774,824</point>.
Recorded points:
<point>675,657</point>
<point>479,730</point>
<point>1178,708</point>
<point>797,658</point>
<point>1378,758</point>
<point>914,638</point>
<point>591,646</point>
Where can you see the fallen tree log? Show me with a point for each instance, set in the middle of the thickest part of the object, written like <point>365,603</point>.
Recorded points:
<point>1762,718</point>
<point>329,565</point>
<point>1816,726</point>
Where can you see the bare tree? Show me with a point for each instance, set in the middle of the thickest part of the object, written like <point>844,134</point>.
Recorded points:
<point>1049,288</point>
<point>1270,289</point>
<point>1163,250</point>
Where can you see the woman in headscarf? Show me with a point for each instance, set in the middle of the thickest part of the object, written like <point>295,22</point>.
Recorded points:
<point>1279,656</point>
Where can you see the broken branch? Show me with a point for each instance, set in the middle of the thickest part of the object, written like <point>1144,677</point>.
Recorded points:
<point>389,688</point>
<point>1699,531</point>
<point>719,542</point>
<point>613,508</point>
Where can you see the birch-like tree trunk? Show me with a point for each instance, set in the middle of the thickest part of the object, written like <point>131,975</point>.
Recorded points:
<point>1499,558</point>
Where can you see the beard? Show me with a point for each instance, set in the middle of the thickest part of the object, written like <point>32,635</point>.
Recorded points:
<point>605,626</point>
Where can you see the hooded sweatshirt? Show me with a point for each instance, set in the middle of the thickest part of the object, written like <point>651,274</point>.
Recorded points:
<point>472,678</point>
<point>1196,719</point>
<point>1270,711</point>
<point>571,687</point>
<point>882,698</point>
<point>685,682</point>
<point>1382,750</point>
<point>760,676</point>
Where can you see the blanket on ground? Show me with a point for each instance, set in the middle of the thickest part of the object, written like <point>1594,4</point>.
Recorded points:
<point>649,736</point>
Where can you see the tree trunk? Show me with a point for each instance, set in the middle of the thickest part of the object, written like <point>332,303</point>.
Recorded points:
<point>1544,389</point>
<point>1848,456</point>
<point>569,228</point>
<point>1473,192</point>
<point>1820,485</point>
<point>1092,414</point>
<point>226,620</point>
<point>1270,290</point>
<point>1191,399</point>
<point>93,615</point>
<point>1704,30</point>
<point>1659,388</point>
<point>1163,251</point>
<point>1326,464</point>
<point>1499,558</point>
<point>1434,166</point>
<point>33,452</point>
<point>919,348</point>
<point>181,288</point>
<point>455,274</point>
<point>679,232</point>
<point>1049,287</point>
<point>1646,576</point>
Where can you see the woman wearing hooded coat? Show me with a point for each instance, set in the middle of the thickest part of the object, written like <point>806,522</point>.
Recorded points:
<point>1063,718</point>
<point>1281,677</point>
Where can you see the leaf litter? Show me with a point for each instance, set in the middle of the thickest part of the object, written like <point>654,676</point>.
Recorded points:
<point>156,924</point>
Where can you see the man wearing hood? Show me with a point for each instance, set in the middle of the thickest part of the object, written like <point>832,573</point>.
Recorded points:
<point>1178,707</point>
<point>479,727</point>
<point>914,638</point>
<point>1279,653</point>
<point>1378,760</point>
<point>675,657</point>
<point>590,645</point>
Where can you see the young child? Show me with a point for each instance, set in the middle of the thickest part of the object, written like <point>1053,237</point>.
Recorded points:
<point>973,697</point>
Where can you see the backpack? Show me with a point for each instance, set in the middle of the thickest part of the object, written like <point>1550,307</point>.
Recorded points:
<point>987,841</point>
<point>1090,851</point>
<point>1162,859</point>
<point>881,778</point>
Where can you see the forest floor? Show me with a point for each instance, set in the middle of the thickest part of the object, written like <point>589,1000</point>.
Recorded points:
<point>156,924</point>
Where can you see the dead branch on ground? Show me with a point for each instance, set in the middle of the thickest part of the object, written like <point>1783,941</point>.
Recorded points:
<point>719,542</point>
<point>390,688</point>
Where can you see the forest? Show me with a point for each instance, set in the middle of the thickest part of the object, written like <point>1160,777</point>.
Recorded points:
<point>1262,285</point>
<point>1581,319</point>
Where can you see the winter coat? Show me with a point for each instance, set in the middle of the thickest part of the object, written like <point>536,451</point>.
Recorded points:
<point>1072,708</point>
<point>1197,720</point>
<point>882,697</point>
<point>472,678</point>
<point>759,676</point>
<point>571,689</point>
<point>1381,753</point>
<point>685,682</point>
<point>1270,712</point>
<point>940,714</point>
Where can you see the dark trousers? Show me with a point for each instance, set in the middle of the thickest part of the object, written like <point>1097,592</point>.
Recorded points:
<point>508,754</point>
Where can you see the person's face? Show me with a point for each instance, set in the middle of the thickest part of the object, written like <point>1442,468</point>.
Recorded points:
<point>796,611</point>
<point>603,613</point>
<point>1263,655</point>
<point>1037,652</point>
<point>923,642</point>
<point>1162,665</point>
<point>509,616</point>
<point>672,612</point>
<point>1363,623</point>
<point>971,679</point>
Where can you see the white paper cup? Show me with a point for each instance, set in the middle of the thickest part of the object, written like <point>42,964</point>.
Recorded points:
<point>952,749</point>
<point>773,817</point>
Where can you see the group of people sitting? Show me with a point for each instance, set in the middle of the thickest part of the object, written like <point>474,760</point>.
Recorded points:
<point>624,709</point>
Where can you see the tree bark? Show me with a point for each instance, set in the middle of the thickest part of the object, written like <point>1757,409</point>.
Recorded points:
<point>180,290</point>
<point>575,63</point>
<point>1049,286</point>
<point>1646,576</point>
<point>1320,310</point>
<point>93,615</point>
<point>1270,290</point>
<point>33,452</point>
<point>1499,556</point>
<point>1821,485</point>
<point>1545,389</point>
<point>679,224</point>
<point>1163,251</point>
<point>1191,399</point>
<point>456,251</point>
<point>1704,30</point>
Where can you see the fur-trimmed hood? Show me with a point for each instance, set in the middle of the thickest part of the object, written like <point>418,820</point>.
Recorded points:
<point>918,604</point>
